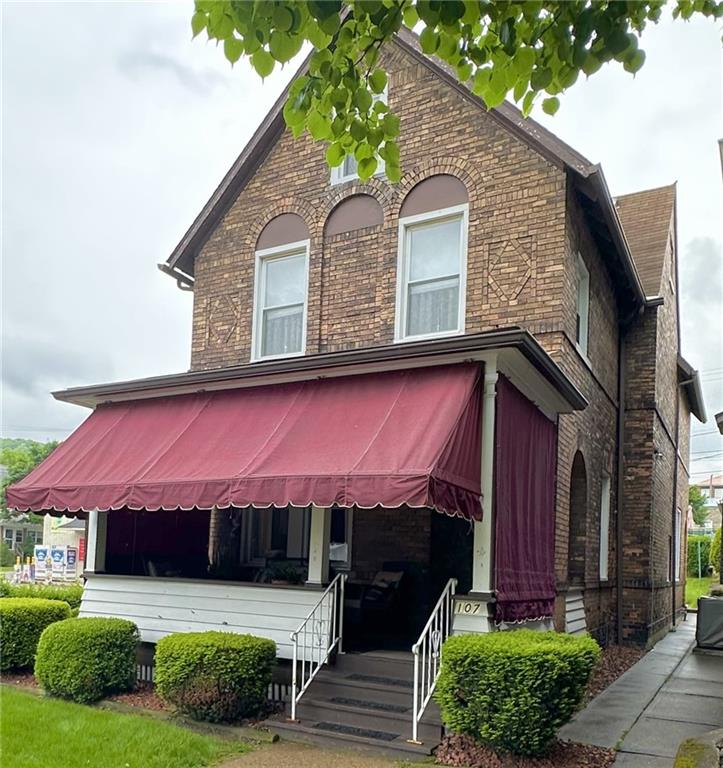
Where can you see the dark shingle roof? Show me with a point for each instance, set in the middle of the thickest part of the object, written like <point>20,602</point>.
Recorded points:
<point>647,218</point>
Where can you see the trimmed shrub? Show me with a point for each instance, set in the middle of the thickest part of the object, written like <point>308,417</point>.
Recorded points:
<point>70,593</point>
<point>714,556</point>
<point>88,658</point>
<point>215,676</point>
<point>692,561</point>
<point>22,621</point>
<point>513,690</point>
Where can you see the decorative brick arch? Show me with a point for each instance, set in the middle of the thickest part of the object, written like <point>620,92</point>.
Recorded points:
<point>375,187</point>
<point>450,166</point>
<point>285,205</point>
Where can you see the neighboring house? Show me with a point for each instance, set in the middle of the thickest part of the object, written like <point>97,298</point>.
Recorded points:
<point>367,356</point>
<point>20,534</point>
<point>64,532</point>
<point>712,487</point>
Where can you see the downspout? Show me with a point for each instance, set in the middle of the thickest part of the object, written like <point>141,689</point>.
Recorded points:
<point>620,486</point>
<point>676,544</point>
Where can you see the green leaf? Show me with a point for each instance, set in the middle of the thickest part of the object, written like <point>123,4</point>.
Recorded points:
<point>263,62</point>
<point>410,16</point>
<point>390,123</point>
<point>528,102</point>
<point>366,168</point>
<point>335,154</point>
<point>362,100</point>
<point>378,80</point>
<point>591,64</point>
<point>358,130</point>
<point>393,172</point>
<point>617,41</point>
<point>635,62</point>
<point>551,105</point>
<point>391,152</point>
<point>319,125</point>
<point>283,46</point>
<point>429,41</point>
<point>283,18</point>
<point>524,61</point>
<point>198,22</point>
<point>233,48</point>
<point>316,36</point>
<point>541,78</point>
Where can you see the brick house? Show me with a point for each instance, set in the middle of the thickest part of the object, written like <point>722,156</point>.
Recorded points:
<point>517,325</point>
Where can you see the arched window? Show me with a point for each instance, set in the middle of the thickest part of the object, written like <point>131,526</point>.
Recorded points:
<point>432,262</point>
<point>578,521</point>
<point>280,293</point>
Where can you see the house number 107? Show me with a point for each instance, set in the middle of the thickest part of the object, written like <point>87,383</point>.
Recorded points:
<point>466,606</point>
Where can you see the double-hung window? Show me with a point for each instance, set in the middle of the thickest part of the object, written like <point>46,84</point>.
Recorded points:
<point>431,274</point>
<point>604,527</point>
<point>280,301</point>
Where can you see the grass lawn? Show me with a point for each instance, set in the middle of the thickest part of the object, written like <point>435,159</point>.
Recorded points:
<point>36,732</point>
<point>695,588</point>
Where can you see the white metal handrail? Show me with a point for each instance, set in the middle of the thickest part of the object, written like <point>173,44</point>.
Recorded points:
<point>316,637</point>
<point>428,654</point>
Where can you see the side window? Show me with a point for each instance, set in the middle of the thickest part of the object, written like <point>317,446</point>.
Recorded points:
<point>678,541</point>
<point>583,305</point>
<point>604,527</point>
<point>280,301</point>
<point>347,171</point>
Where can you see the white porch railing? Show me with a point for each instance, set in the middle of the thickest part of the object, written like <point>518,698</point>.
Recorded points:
<point>315,639</point>
<point>428,653</point>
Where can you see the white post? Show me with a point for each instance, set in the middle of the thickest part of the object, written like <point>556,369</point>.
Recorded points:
<point>95,546</point>
<point>483,542</point>
<point>319,536</point>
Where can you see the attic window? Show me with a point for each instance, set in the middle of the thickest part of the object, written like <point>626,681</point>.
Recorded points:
<point>347,171</point>
<point>583,306</point>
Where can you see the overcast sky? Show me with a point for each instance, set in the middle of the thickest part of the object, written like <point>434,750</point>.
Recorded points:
<point>116,128</point>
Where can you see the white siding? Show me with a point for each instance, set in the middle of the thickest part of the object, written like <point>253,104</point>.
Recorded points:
<point>575,622</point>
<point>161,606</point>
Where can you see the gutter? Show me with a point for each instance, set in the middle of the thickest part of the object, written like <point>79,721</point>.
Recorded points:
<point>328,363</point>
<point>183,281</point>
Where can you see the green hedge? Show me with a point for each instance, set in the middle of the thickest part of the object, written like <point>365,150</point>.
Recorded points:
<point>715,550</point>
<point>22,621</point>
<point>71,593</point>
<point>86,659</point>
<point>705,551</point>
<point>513,690</point>
<point>216,676</point>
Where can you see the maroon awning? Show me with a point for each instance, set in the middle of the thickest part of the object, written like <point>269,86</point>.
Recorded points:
<point>391,439</point>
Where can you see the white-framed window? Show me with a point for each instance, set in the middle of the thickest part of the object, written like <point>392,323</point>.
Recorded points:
<point>431,274</point>
<point>583,305</point>
<point>280,301</point>
<point>604,527</point>
<point>347,171</point>
<point>678,541</point>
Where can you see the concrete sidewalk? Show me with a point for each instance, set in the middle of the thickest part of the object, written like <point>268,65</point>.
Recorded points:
<point>671,694</point>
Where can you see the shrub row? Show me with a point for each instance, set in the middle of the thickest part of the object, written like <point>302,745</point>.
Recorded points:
<point>71,593</point>
<point>22,621</point>
<point>216,676</point>
<point>698,545</point>
<point>86,659</point>
<point>715,550</point>
<point>513,690</point>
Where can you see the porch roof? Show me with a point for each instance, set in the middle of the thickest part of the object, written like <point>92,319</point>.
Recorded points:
<point>393,438</point>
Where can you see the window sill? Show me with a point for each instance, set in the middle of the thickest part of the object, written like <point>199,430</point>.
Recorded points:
<point>427,336</point>
<point>583,355</point>
<point>347,179</point>
<point>276,357</point>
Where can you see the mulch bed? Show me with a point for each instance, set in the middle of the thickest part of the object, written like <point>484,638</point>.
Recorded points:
<point>458,750</point>
<point>143,696</point>
<point>615,660</point>
<point>25,679</point>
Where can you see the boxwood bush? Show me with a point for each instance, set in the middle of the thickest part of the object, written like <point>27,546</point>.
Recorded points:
<point>22,621</point>
<point>513,690</point>
<point>70,593</point>
<point>88,658</point>
<point>215,676</point>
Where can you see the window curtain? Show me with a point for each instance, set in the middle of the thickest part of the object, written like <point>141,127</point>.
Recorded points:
<point>525,471</point>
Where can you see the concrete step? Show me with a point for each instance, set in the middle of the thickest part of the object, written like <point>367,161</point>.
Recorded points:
<point>381,664</point>
<point>363,716</point>
<point>327,685</point>
<point>313,734</point>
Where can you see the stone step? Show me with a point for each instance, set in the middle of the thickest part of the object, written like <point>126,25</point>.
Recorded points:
<point>365,716</point>
<point>313,734</point>
<point>390,664</point>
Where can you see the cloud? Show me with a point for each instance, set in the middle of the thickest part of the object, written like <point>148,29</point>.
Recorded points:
<point>139,63</point>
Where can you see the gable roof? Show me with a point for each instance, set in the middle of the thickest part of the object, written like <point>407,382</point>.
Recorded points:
<point>588,178</point>
<point>647,218</point>
<point>689,382</point>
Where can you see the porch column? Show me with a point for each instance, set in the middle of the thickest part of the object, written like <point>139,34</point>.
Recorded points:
<point>319,534</point>
<point>95,546</point>
<point>483,542</point>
